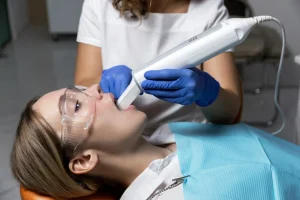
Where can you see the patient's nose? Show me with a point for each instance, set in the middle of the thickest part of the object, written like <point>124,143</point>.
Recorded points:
<point>94,91</point>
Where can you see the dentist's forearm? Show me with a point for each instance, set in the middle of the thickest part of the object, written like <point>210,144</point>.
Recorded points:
<point>87,82</point>
<point>88,65</point>
<point>224,109</point>
<point>227,106</point>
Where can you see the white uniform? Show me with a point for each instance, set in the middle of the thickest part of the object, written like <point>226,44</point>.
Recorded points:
<point>125,41</point>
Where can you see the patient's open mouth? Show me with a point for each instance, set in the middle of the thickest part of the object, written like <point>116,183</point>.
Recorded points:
<point>130,107</point>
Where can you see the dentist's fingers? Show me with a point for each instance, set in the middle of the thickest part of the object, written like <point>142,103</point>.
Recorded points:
<point>168,74</point>
<point>169,93</point>
<point>160,85</point>
<point>180,100</point>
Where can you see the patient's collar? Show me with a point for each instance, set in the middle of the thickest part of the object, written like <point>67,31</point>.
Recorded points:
<point>150,179</point>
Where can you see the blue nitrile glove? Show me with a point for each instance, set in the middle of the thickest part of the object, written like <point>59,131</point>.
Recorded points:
<point>182,86</point>
<point>115,80</point>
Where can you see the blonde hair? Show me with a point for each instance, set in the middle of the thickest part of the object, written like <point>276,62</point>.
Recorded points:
<point>137,8</point>
<point>37,164</point>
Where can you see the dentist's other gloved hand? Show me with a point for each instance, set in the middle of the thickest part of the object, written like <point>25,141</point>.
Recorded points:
<point>115,80</point>
<point>182,86</point>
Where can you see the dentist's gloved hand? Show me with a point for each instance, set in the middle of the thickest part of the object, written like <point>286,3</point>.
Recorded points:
<point>115,80</point>
<point>182,86</point>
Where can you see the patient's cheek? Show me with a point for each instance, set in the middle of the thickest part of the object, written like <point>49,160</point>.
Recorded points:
<point>55,125</point>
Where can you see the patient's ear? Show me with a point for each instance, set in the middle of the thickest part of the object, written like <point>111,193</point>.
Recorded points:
<point>84,162</point>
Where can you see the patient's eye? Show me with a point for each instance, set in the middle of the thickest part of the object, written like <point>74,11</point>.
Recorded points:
<point>77,106</point>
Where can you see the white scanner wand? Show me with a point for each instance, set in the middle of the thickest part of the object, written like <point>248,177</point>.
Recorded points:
<point>197,50</point>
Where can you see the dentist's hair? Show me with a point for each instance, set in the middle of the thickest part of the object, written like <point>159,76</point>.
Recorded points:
<point>137,8</point>
<point>36,160</point>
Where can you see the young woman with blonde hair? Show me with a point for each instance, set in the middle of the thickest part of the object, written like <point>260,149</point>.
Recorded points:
<point>71,143</point>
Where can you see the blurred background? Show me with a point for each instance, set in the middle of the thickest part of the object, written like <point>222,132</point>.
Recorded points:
<point>38,53</point>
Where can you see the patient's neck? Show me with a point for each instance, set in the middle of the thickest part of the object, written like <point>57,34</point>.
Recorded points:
<point>125,167</point>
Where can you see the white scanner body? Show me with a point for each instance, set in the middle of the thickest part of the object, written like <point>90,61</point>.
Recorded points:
<point>191,53</point>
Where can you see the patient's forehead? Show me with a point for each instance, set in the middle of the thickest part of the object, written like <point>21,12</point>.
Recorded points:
<point>48,107</point>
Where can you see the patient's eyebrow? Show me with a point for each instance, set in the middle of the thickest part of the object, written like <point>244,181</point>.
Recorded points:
<point>61,102</point>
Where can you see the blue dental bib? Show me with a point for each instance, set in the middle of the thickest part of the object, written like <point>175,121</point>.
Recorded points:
<point>236,162</point>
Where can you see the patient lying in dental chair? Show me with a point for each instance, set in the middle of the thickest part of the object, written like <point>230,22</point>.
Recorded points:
<point>71,143</point>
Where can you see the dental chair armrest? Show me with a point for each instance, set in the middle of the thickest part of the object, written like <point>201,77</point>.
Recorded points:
<point>30,195</point>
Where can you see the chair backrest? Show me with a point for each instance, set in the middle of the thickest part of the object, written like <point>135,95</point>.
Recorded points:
<point>29,195</point>
<point>239,8</point>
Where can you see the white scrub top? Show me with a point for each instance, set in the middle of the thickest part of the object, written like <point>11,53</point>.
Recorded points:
<point>125,41</point>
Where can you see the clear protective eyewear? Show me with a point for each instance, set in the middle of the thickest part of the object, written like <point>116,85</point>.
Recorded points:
<point>77,109</point>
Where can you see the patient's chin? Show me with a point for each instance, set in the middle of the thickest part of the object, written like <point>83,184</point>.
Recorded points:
<point>139,119</point>
<point>145,120</point>
<point>144,117</point>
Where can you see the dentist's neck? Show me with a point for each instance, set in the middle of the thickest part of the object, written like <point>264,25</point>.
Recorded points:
<point>127,166</point>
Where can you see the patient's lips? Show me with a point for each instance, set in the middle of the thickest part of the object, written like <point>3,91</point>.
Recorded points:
<point>131,107</point>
